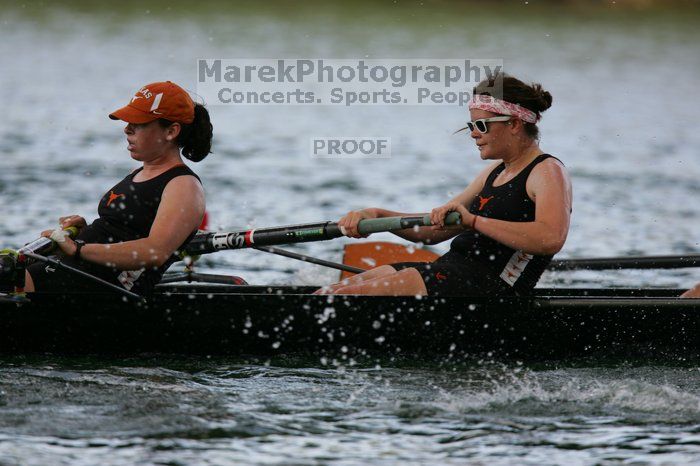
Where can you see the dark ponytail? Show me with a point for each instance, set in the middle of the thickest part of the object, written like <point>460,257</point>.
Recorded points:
<point>530,96</point>
<point>194,138</point>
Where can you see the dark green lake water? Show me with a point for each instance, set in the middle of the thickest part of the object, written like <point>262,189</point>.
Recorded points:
<point>165,411</point>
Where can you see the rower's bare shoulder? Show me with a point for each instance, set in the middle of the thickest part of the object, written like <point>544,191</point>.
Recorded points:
<point>184,187</point>
<point>549,168</point>
<point>550,174</point>
<point>184,182</point>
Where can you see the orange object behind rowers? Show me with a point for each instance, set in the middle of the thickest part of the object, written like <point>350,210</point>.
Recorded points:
<point>373,254</point>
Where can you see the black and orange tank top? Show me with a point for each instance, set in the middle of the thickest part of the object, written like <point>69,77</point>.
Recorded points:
<point>509,202</point>
<point>126,213</point>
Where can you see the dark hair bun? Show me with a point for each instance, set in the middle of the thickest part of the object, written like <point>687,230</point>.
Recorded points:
<point>196,143</point>
<point>194,138</point>
<point>543,99</point>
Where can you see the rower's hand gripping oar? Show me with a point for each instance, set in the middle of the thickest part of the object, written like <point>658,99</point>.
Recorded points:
<point>205,243</point>
<point>13,263</point>
<point>73,270</point>
<point>43,245</point>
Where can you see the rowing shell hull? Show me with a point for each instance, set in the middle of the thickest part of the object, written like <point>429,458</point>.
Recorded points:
<point>261,321</point>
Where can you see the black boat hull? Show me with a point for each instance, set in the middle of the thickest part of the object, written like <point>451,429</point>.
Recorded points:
<point>261,321</point>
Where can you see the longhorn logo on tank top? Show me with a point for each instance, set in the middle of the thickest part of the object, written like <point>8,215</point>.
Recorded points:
<point>113,197</point>
<point>483,201</point>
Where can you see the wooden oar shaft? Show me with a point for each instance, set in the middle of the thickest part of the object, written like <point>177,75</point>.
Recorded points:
<point>205,243</point>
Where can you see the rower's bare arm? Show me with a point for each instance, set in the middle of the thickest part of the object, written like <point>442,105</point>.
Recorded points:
<point>180,212</point>
<point>549,186</point>
<point>72,221</point>
<point>424,235</point>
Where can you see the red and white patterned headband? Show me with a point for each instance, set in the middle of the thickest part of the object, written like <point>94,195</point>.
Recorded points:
<point>491,104</point>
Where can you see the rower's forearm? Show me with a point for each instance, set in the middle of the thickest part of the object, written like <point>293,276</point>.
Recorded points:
<point>530,237</point>
<point>413,234</point>
<point>381,213</point>
<point>129,255</point>
<point>424,235</point>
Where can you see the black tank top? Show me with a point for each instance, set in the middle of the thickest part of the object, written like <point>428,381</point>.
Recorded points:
<point>511,203</point>
<point>126,213</point>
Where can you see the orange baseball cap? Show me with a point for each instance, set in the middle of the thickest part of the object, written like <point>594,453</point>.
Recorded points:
<point>157,100</point>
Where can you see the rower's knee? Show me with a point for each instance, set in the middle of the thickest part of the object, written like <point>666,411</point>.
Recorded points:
<point>406,282</point>
<point>371,274</point>
<point>694,292</point>
<point>28,282</point>
<point>350,289</point>
<point>411,282</point>
<point>385,269</point>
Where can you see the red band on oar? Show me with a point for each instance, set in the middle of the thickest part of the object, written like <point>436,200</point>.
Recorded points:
<point>249,237</point>
<point>205,221</point>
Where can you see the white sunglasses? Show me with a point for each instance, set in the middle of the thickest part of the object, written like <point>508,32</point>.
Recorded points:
<point>481,125</point>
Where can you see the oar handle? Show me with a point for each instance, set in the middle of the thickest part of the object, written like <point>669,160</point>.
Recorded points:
<point>204,243</point>
<point>378,225</point>
<point>42,246</point>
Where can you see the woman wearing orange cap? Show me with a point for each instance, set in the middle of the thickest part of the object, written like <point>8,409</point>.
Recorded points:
<point>149,214</point>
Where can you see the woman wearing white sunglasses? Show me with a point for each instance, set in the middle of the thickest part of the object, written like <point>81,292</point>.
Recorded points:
<point>515,213</point>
